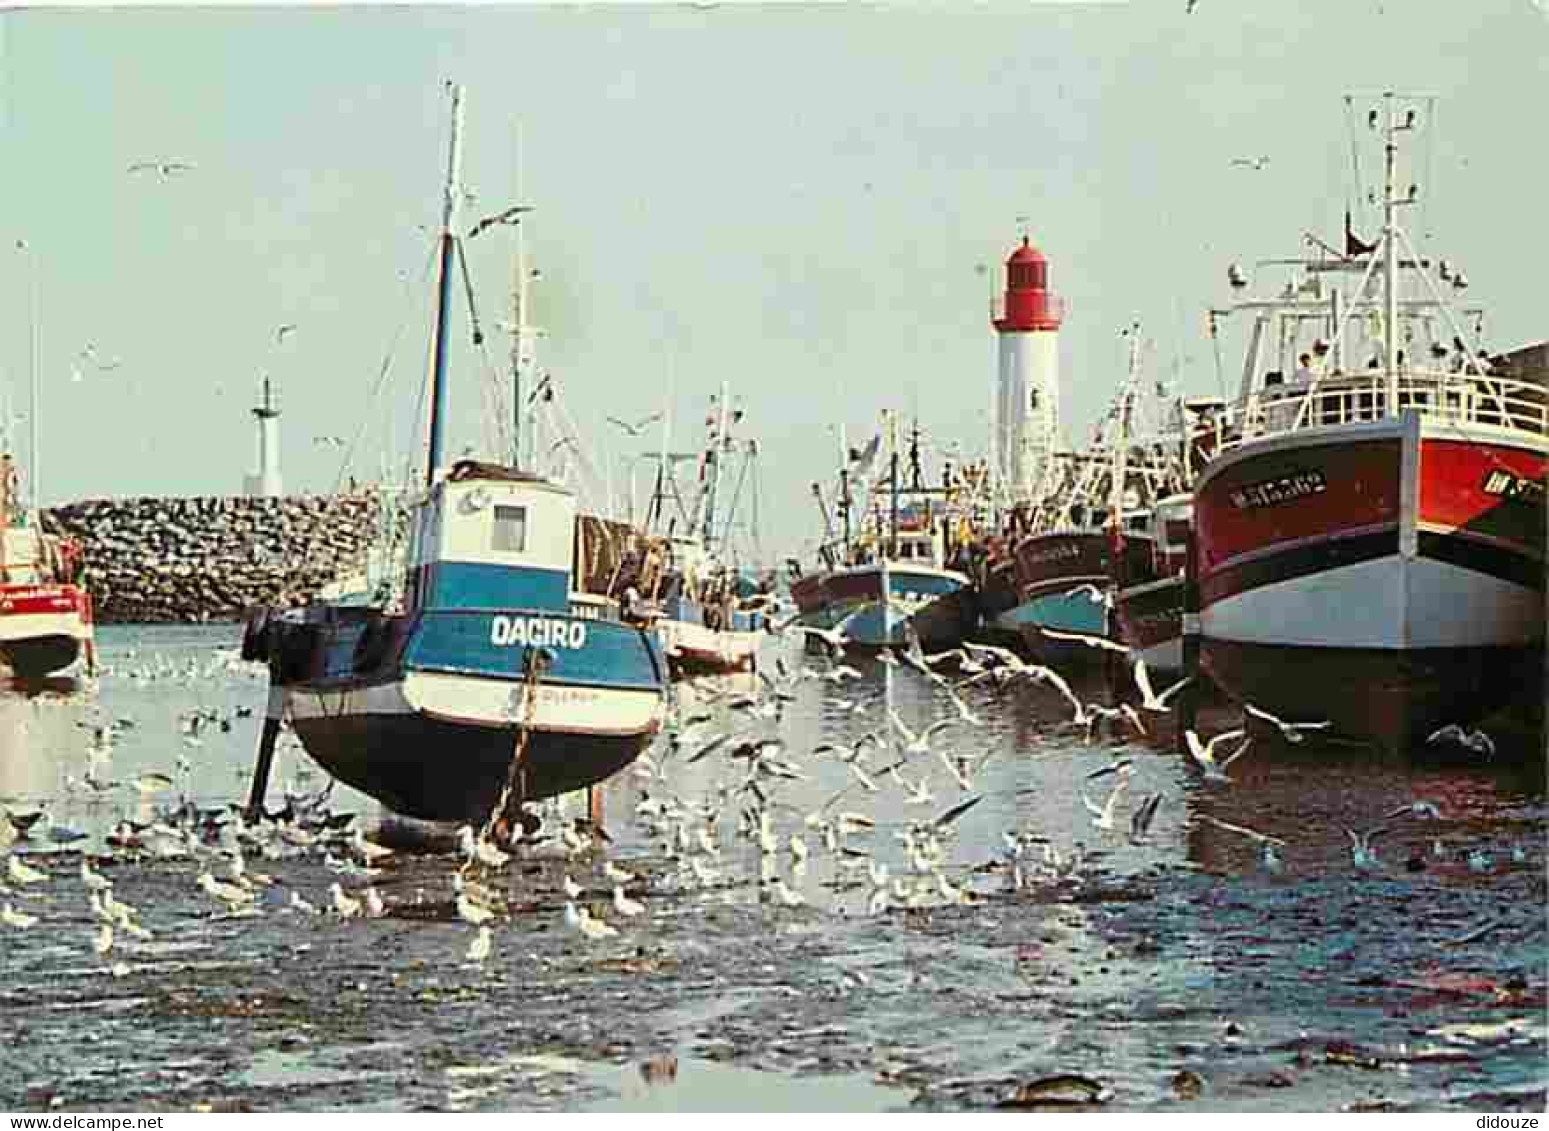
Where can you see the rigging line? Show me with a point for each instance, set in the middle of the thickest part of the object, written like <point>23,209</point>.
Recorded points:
<point>296,556</point>
<point>1427,189</point>
<point>1355,151</point>
<point>384,371</point>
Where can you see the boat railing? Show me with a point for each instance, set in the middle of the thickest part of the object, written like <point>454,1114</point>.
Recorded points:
<point>1456,398</point>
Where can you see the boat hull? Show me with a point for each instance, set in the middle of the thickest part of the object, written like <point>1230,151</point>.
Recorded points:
<point>937,603</point>
<point>374,737</point>
<point>44,629</point>
<point>1383,576</point>
<point>693,649</point>
<point>1151,622</point>
<point>1049,567</point>
<point>371,695</point>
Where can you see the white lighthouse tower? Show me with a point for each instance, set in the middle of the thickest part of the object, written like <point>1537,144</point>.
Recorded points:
<point>265,482</point>
<point>1027,411</point>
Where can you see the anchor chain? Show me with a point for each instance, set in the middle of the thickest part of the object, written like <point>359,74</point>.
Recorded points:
<point>536,663</point>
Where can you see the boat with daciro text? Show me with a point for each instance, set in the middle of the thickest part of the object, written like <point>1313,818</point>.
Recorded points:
<point>497,668</point>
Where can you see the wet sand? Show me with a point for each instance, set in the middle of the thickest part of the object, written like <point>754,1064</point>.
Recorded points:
<point>1174,973</point>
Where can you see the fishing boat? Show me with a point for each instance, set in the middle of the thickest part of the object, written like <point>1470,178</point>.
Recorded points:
<point>1085,525</point>
<point>1371,533</point>
<point>46,621</point>
<point>900,562</point>
<point>686,578</point>
<point>495,673</point>
<point>1147,582</point>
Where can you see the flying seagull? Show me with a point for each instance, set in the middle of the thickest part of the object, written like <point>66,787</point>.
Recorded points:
<point>164,168</point>
<point>1291,731</point>
<point>1204,756</point>
<point>1250,162</point>
<point>509,216</point>
<point>634,429</point>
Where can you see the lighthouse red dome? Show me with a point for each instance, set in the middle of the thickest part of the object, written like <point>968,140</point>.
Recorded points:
<point>1029,304</point>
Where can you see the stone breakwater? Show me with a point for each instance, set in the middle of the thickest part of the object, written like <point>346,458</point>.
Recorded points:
<point>152,560</point>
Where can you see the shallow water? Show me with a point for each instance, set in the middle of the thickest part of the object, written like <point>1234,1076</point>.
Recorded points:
<point>1320,987</point>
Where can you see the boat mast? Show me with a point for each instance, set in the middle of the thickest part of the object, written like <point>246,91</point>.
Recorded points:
<point>713,453</point>
<point>1390,254</point>
<point>892,450</point>
<point>519,316</point>
<point>438,395</point>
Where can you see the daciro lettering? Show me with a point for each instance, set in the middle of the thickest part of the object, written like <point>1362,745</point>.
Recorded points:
<point>536,632</point>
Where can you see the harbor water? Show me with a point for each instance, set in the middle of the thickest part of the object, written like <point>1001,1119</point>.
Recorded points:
<point>1179,968</point>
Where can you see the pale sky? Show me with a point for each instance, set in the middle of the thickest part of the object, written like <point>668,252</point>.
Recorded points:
<point>794,199</point>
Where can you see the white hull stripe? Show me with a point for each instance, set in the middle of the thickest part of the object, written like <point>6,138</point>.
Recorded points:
<point>488,703</point>
<point>1389,602</point>
<point>28,626</point>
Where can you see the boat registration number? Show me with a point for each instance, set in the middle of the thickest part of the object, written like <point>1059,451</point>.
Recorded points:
<point>536,632</point>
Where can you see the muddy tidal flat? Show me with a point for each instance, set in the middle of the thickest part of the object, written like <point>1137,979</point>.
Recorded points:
<point>1020,955</point>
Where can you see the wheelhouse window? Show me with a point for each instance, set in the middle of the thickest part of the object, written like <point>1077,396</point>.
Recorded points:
<point>510,535</point>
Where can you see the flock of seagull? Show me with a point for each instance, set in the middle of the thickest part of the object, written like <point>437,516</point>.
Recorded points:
<point>695,839</point>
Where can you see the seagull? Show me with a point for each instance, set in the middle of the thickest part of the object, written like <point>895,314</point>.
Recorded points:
<point>102,941</point>
<point>1420,809</point>
<point>288,328</point>
<point>479,948</point>
<point>18,919</point>
<point>297,903</point>
<point>785,894</point>
<point>1151,701</point>
<point>1361,847</point>
<point>616,874</point>
<point>375,907</point>
<point>963,710</point>
<point>634,429</point>
<point>24,874</point>
<point>1204,756</point>
<point>1477,741</point>
<point>369,851</point>
<point>1481,861</point>
<point>509,216</point>
<point>583,922</point>
<point>1140,821</point>
<point>481,851</point>
<point>916,743</point>
<point>1250,162</point>
<point>625,906</point>
<point>571,888</point>
<point>834,638</point>
<point>1291,731</point>
<point>163,168</point>
<point>470,912</point>
<point>1087,639</point>
<point>347,907</point>
<point>1103,597</point>
<point>1241,830</point>
<point>94,881</point>
<point>330,441</point>
<point>1102,817</point>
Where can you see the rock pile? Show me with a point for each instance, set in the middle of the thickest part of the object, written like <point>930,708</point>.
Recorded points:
<point>184,560</point>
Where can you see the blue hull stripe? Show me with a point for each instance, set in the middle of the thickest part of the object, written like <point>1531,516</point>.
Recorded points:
<point>478,585</point>
<point>590,653</point>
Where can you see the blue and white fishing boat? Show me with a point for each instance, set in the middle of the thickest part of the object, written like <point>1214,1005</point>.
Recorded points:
<point>491,673</point>
<point>896,567</point>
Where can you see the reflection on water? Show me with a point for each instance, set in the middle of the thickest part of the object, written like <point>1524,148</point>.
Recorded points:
<point>1130,962</point>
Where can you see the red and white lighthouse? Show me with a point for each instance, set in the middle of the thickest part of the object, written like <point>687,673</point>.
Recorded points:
<point>1027,384</point>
